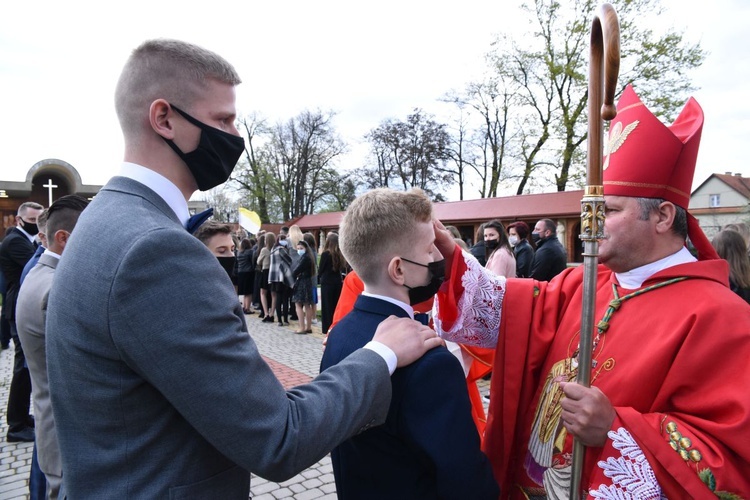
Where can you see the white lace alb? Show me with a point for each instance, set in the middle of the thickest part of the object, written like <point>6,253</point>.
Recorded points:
<point>479,307</point>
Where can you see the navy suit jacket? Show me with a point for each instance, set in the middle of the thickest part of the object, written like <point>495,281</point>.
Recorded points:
<point>429,446</point>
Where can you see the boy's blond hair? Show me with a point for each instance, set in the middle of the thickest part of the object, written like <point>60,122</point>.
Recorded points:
<point>378,225</point>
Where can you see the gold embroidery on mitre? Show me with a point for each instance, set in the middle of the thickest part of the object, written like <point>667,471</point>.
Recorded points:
<point>646,185</point>
<point>616,139</point>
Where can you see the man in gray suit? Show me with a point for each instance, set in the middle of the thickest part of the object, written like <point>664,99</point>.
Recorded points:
<point>31,316</point>
<point>158,391</point>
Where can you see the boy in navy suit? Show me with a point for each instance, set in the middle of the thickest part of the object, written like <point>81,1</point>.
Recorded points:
<point>428,446</point>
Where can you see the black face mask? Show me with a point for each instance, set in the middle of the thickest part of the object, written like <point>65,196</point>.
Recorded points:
<point>30,227</point>
<point>215,157</point>
<point>419,294</point>
<point>228,264</point>
<point>536,237</point>
<point>491,244</point>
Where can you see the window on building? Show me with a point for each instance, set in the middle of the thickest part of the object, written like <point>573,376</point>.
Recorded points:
<point>713,200</point>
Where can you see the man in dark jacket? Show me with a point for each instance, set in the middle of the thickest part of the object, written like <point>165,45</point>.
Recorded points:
<point>17,248</point>
<point>550,258</point>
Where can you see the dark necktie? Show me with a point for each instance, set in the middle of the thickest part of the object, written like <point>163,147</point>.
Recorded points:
<point>196,220</point>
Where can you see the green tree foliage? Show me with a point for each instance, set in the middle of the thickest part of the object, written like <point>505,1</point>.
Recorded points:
<point>409,154</point>
<point>550,73</point>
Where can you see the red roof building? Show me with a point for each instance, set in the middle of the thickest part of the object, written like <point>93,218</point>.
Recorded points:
<point>562,207</point>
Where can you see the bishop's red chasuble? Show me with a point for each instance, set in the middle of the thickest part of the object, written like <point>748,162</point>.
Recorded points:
<point>673,359</point>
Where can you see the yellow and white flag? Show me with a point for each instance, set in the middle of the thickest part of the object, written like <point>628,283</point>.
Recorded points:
<point>249,220</point>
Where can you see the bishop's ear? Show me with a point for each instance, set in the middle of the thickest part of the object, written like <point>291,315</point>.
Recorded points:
<point>666,214</point>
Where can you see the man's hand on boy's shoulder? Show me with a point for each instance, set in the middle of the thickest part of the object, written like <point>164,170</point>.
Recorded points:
<point>408,339</point>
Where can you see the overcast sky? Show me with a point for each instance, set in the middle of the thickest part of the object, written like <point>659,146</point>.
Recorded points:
<point>368,61</point>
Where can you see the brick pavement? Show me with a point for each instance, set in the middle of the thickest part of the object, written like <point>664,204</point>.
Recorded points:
<point>295,359</point>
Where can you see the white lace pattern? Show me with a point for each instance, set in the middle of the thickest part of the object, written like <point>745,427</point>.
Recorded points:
<point>479,307</point>
<point>631,474</point>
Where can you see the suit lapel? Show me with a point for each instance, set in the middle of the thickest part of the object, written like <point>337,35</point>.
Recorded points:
<point>25,238</point>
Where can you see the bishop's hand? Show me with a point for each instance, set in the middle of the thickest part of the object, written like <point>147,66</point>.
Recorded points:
<point>586,413</point>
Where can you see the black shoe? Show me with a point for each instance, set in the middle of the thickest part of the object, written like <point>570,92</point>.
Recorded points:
<point>281,324</point>
<point>261,316</point>
<point>268,319</point>
<point>24,435</point>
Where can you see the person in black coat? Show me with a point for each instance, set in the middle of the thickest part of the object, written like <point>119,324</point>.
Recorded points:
<point>331,271</point>
<point>246,274</point>
<point>550,258</point>
<point>16,250</point>
<point>479,250</point>
<point>518,233</point>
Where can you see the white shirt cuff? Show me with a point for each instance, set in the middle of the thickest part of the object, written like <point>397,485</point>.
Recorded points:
<point>384,352</point>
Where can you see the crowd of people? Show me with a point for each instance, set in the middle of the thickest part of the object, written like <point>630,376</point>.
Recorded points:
<point>146,382</point>
<point>278,275</point>
<point>515,251</point>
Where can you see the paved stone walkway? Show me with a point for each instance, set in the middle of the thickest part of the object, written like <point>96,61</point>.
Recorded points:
<point>295,360</point>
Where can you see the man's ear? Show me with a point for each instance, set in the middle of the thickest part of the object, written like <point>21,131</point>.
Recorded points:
<point>61,238</point>
<point>666,214</point>
<point>395,271</point>
<point>160,115</point>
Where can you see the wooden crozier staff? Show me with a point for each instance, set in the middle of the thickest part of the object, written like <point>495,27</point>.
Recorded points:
<point>604,67</point>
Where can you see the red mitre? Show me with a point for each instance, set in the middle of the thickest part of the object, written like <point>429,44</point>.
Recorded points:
<point>646,159</point>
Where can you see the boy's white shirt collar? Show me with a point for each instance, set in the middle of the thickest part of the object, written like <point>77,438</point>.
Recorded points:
<point>160,185</point>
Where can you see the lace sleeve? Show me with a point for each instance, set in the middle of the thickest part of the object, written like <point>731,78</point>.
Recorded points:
<point>477,320</point>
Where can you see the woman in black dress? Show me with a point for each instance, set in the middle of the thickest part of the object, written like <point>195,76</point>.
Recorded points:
<point>246,274</point>
<point>302,294</point>
<point>331,271</point>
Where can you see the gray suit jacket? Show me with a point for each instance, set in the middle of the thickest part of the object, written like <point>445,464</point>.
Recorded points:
<point>31,314</point>
<point>157,388</point>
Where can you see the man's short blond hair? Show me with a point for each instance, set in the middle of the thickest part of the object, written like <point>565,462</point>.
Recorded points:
<point>166,69</point>
<point>379,225</point>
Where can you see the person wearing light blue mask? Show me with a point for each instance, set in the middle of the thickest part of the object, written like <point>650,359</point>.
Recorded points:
<point>302,293</point>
